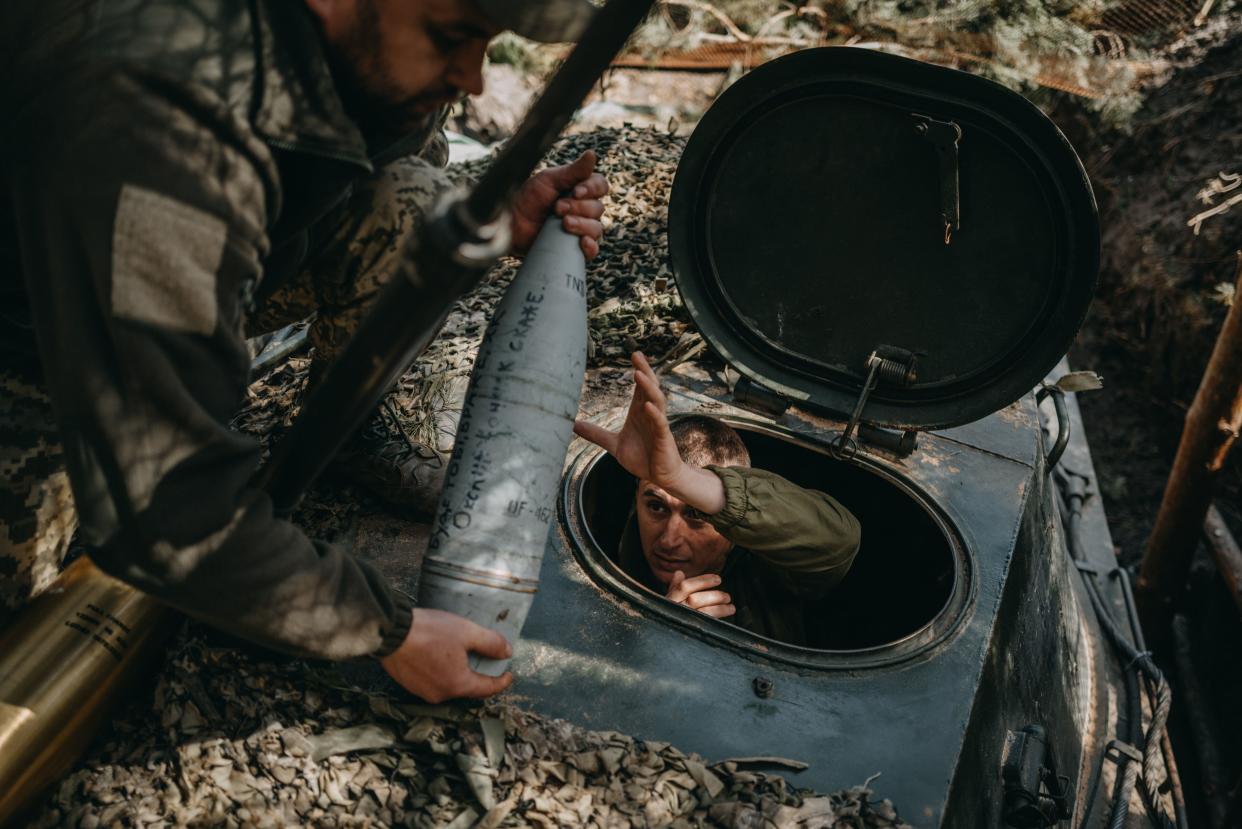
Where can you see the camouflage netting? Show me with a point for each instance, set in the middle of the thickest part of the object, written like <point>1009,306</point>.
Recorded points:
<point>631,298</point>
<point>632,302</point>
<point>236,740</point>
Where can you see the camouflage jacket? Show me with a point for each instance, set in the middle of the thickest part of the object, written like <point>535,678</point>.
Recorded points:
<point>163,162</point>
<point>792,546</point>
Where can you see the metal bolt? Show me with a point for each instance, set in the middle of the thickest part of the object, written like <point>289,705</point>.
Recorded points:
<point>764,687</point>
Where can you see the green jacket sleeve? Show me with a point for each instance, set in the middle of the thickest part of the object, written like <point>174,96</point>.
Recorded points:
<point>144,210</point>
<point>806,537</point>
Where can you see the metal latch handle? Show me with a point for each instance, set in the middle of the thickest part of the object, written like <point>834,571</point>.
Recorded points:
<point>944,136</point>
<point>1063,425</point>
<point>1075,381</point>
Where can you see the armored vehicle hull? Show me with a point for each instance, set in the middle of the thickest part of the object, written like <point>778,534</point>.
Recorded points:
<point>964,622</point>
<point>868,242</point>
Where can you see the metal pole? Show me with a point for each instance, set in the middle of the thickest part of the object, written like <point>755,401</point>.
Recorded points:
<point>1212,426</point>
<point>402,321</point>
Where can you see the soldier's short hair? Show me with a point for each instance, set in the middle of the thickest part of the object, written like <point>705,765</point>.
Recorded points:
<point>706,441</point>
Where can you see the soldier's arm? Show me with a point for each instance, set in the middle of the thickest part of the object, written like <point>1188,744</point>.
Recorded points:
<point>806,536</point>
<point>143,213</point>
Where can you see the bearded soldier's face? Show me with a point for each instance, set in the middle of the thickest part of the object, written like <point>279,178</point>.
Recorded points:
<point>398,61</point>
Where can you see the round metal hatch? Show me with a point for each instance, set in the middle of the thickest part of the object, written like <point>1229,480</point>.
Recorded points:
<point>840,200</point>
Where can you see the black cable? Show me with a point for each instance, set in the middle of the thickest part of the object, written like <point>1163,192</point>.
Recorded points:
<point>1121,803</point>
<point>1134,660</point>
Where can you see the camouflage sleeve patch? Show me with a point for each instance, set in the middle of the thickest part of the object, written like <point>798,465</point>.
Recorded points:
<point>165,256</point>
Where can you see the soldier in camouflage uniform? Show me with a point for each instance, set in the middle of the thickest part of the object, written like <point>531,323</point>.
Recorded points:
<point>183,173</point>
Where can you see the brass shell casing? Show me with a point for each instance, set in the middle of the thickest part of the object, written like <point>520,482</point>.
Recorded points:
<point>63,660</point>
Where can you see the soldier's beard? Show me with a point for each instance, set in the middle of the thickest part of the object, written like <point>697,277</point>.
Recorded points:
<point>367,88</point>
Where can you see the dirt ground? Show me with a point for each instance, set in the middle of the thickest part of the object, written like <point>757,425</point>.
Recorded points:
<point>667,100</point>
<point>1159,303</point>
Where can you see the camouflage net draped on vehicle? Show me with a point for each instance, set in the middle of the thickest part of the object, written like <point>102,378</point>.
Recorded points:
<point>632,302</point>
<point>234,740</point>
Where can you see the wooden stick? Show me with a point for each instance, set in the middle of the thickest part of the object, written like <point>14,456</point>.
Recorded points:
<point>1196,707</point>
<point>1225,553</point>
<point>1201,17</point>
<point>1211,427</point>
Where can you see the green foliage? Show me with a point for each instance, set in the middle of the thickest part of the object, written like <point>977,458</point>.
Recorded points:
<point>518,52</point>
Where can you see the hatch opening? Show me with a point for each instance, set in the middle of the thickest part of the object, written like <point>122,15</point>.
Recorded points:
<point>906,575</point>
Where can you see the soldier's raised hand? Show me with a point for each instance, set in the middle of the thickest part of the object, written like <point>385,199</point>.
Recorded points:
<point>644,446</point>
<point>646,449</point>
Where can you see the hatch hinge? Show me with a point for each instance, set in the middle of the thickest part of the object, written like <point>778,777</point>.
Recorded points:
<point>901,442</point>
<point>944,137</point>
<point>894,367</point>
<point>748,393</point>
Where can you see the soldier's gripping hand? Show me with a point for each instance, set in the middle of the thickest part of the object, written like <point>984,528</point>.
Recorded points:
<point>700,593</point>
<point>433,661</point>
<point>580,210</point>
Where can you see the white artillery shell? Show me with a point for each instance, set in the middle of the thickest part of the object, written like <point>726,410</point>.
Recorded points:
<point>498,502</point>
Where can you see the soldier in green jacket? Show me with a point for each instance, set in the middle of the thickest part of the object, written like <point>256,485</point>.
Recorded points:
<point>711,533</point>
<point>179,175</point>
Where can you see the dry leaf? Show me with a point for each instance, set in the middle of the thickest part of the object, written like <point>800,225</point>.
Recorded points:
<point>493,740</point>
<point>345,740</point>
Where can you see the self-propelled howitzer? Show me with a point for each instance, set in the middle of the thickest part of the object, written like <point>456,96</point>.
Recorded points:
<point>889,257</point>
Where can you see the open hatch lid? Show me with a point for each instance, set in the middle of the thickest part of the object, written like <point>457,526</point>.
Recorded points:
<point>840,200</point>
